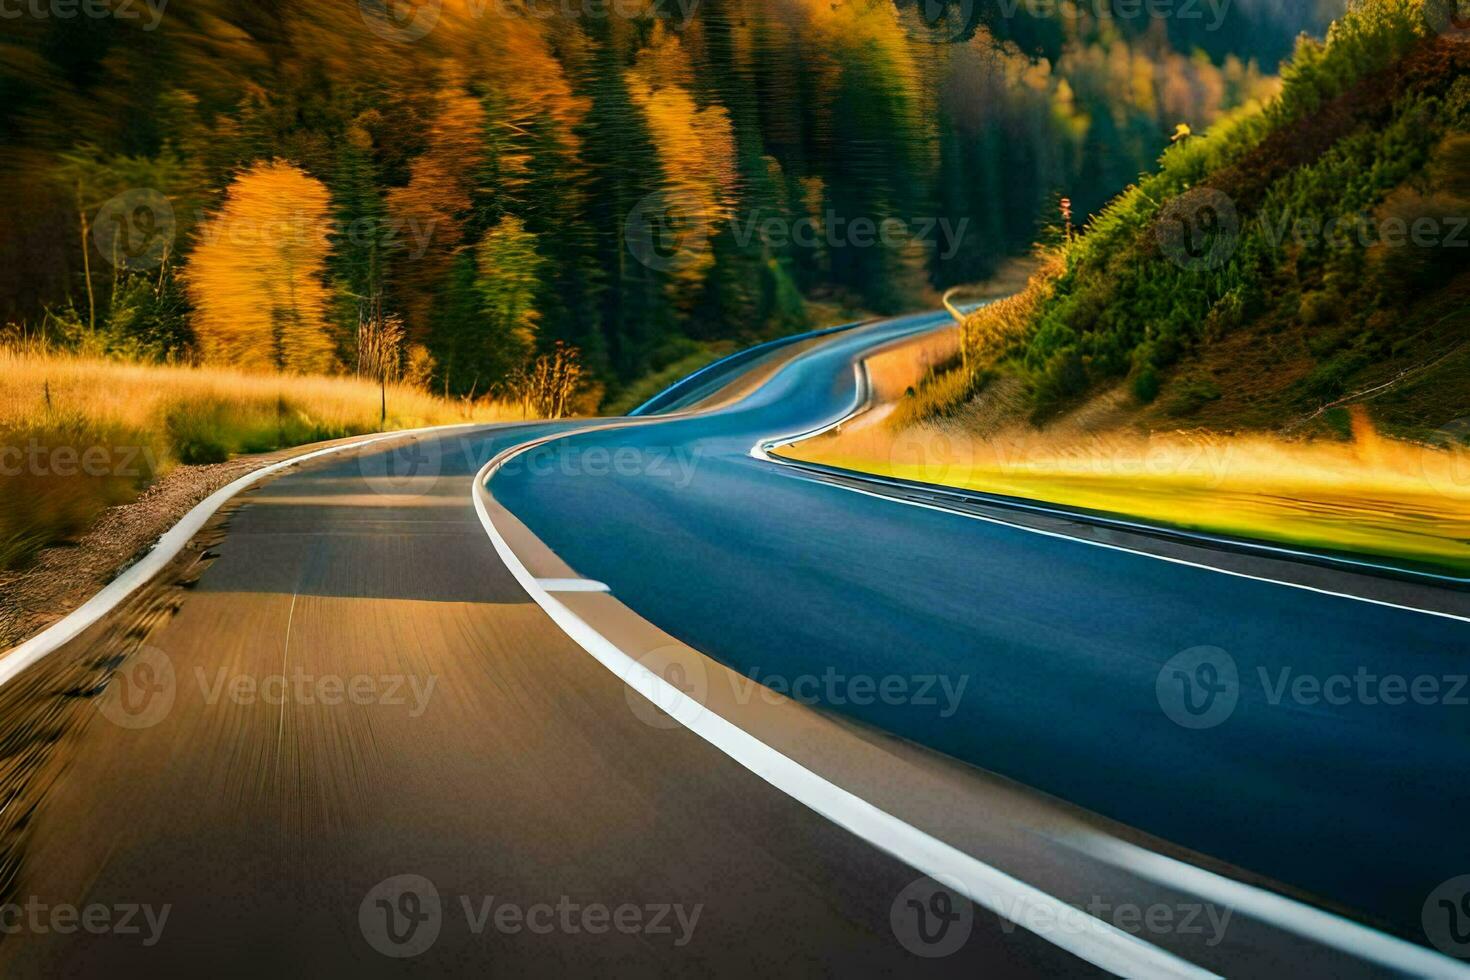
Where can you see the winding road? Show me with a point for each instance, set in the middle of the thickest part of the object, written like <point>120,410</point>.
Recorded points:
<point>349,732</point>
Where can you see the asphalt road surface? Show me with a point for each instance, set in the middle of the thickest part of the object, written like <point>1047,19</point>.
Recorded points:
<point>355,703</point>
<point>1275,728</point>
<point>340,739</point>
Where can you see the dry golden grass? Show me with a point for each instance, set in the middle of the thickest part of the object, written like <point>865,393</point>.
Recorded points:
<point>139,395</point>
<point>992,327</point>
<point>80,434</point>
<point>985,335</point>
<point>894,370</point>
<point>1371,496</point>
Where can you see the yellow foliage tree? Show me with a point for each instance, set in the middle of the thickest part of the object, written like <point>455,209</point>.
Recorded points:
<point>256,274</point>
<point>696,147</point>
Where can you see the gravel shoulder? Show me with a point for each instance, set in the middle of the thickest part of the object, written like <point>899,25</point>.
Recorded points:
<point>63,576</point>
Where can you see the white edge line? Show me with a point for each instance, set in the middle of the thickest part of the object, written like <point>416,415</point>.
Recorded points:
<point>15,660</point>
<point>761,452</point>
<point>1144,554</point>
<point>1284,913</point>
<point>1055,921</point>
<point>1278,910</point>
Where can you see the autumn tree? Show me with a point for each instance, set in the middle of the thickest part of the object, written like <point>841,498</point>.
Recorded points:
<point>256,274</point>
<point>507,275</point>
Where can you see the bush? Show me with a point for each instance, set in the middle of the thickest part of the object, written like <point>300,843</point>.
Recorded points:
<point>938,396</point>
<point>1146,385</point>
<point>213,430</point>
<point>196,433</point>
<point>1192,395</point>
<point>1330,379</point>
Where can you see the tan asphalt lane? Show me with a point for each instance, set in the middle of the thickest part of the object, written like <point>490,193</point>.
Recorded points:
<point>489,754</point>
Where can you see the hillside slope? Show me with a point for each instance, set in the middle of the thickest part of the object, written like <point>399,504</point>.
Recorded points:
<point>1268,338</point>
<point>1284,266</point>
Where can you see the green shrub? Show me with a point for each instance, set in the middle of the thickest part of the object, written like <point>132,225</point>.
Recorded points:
<point>196,432</point>
<point>213,430</point>
<point>1330,379</point>
<point>1191,395</point>
<point>1146,385</point>
<point>940,395</point>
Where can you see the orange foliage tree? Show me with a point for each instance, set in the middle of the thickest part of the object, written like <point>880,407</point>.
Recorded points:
<point>256,274</point>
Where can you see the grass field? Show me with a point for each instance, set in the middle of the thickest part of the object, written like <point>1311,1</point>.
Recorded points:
<point>1370,496</point>
<point>79,434</point>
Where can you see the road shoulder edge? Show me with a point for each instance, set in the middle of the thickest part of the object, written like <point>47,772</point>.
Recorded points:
<point>16,660</point>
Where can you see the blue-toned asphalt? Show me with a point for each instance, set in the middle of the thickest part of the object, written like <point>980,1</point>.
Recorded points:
<point>1361,804</point>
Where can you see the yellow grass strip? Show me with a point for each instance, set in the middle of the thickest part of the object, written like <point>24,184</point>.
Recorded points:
<point>1371,496</point>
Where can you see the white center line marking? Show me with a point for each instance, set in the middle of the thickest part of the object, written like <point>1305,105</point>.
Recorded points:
<point>572,585</point>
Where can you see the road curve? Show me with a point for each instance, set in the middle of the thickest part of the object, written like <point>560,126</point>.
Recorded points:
<point>339,685</point>
<point>1078,657</point>
<point>337,736</point>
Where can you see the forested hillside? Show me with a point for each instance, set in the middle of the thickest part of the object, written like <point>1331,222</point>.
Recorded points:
<point>465,184</point>
<point>1283,267</point>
